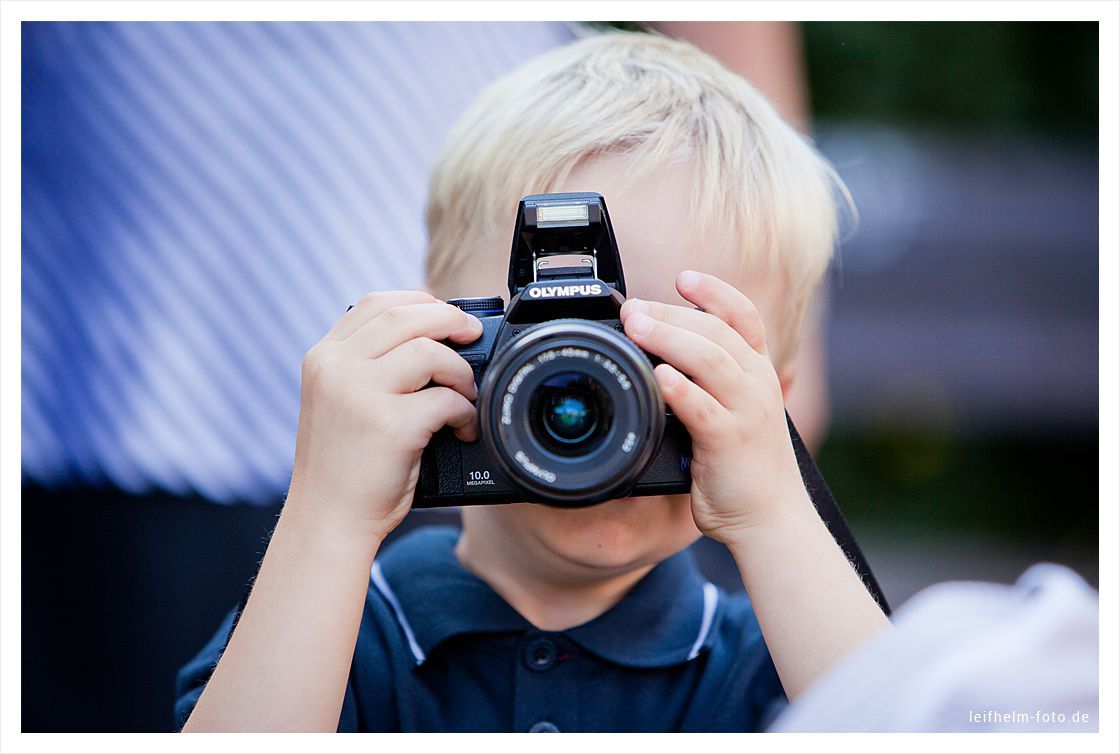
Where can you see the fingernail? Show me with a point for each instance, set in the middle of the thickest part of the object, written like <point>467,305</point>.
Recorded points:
<point>640,324</point>
<point>669,377</point>
<point>690,280</point>
<point>476,323</point>
<point>637,306</point>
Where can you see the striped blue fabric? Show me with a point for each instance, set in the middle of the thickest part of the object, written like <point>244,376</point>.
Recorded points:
<point>200,202</point>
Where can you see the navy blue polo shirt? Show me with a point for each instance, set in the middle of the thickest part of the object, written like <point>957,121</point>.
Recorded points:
<point>439,650</point>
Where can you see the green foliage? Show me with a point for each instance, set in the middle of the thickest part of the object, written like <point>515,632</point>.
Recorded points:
<point>1040,488</point>
<point>1039,77</point>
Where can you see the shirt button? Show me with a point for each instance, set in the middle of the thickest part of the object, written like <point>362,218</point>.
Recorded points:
<point>544,726</point>
<point>540,655</point>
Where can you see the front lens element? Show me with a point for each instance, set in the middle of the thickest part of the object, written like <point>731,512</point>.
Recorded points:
<point>574,411</point>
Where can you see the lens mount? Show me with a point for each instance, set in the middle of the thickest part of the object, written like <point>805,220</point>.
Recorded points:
<point>571,412</point>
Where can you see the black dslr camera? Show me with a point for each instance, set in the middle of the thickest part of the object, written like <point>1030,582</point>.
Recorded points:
<point>569,411</point>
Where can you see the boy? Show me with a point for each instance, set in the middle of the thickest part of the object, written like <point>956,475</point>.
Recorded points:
<point>537,618</point>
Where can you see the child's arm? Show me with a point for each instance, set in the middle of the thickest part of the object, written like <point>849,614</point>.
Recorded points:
<point>365,417</point>
<point>747,491</point>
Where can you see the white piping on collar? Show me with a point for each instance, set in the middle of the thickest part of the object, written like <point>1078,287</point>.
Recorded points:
<point>711,599</point>
<point>387,592</point>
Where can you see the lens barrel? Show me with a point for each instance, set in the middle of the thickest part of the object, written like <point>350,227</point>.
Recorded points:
<point>571,412</point>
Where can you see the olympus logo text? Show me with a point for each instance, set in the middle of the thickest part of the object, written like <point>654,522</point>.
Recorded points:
<point>556,291</point>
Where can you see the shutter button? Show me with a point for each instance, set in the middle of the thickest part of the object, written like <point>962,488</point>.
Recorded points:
<point>540,655</point>
<point>544,726</point>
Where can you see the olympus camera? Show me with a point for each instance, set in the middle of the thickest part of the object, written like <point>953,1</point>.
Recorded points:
<point>569,412</point>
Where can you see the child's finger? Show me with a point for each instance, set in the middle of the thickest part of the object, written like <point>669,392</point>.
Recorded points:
<point>711,327</point>
<point>420,361</point>
<point>701,414</point>
<point>369,306</point>
<point>713,368</point>
<point>726,302</point>
<point>439,407</point>
<point>399,324</point>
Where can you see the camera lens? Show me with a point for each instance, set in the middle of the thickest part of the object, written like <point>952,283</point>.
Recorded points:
<point>571,413</point>
<point>574,411</point>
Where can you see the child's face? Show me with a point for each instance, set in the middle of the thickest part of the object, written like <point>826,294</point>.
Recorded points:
<point>650,218</point>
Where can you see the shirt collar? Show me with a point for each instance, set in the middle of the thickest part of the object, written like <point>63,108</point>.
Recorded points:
<point>668,617</point>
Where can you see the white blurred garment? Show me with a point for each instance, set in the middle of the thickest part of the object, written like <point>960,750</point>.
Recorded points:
<point>969,657</point>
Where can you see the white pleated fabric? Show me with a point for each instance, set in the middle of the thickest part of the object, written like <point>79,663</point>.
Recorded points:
<point>200,202</point>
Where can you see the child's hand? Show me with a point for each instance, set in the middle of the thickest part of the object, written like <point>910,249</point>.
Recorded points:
<point>366,413</point>
<point>743,470</point>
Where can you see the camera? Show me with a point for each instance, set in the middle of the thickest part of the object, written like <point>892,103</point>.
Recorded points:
<point>569,412</point>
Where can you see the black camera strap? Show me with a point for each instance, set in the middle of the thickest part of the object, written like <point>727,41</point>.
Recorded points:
<point>833,519</point>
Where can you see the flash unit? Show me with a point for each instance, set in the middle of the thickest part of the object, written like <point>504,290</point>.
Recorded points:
<point>561,215</point>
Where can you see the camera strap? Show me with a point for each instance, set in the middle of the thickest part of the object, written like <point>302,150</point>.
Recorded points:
<point>834,521</point>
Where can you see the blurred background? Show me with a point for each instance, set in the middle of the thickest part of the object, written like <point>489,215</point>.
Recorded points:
<point>201,201</point>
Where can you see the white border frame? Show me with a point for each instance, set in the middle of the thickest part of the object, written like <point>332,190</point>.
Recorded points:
<point>12,12</point>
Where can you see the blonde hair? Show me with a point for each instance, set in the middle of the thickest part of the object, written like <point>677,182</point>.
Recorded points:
<point>758,183</point>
